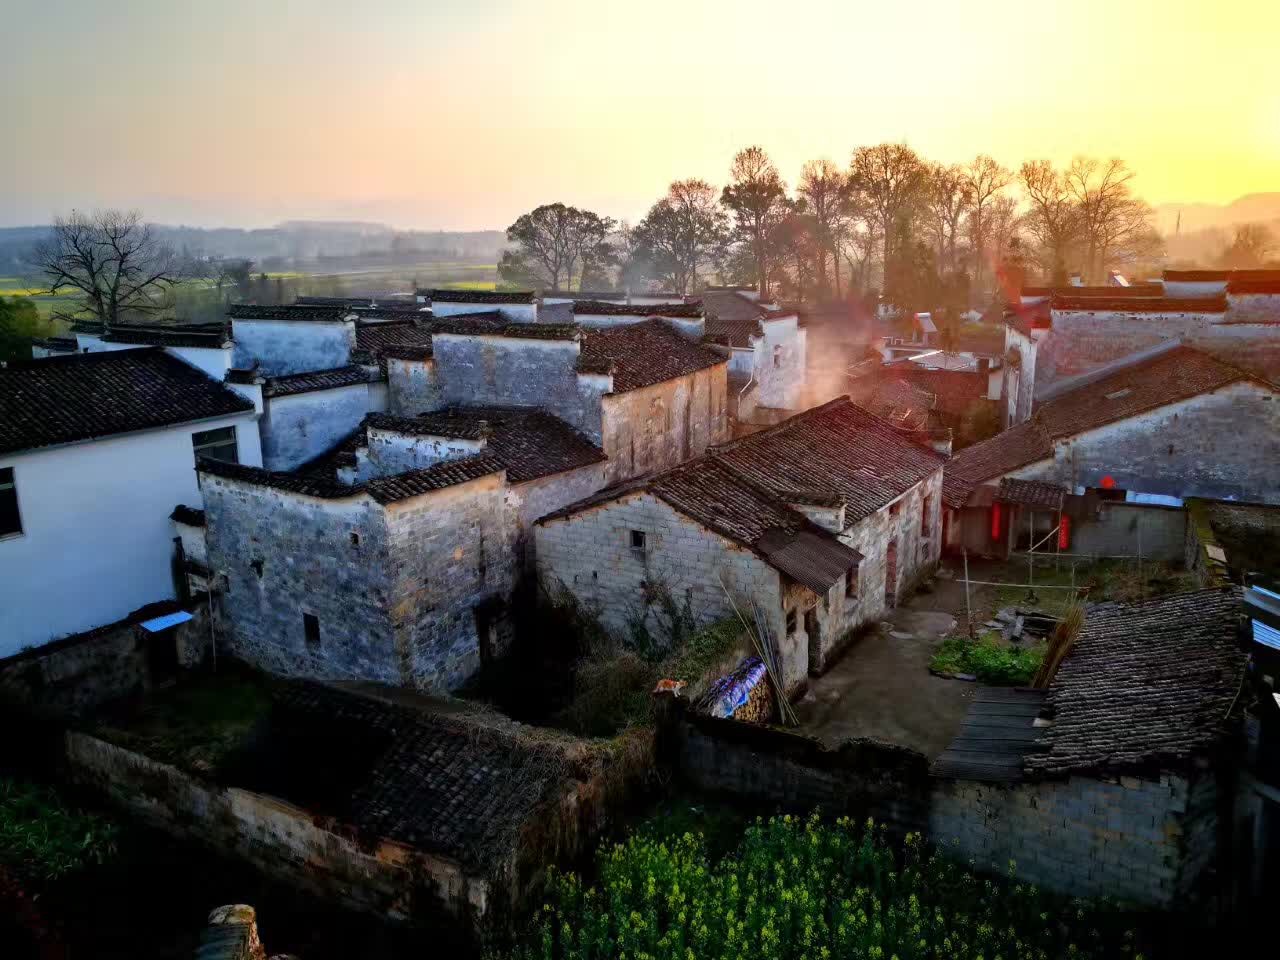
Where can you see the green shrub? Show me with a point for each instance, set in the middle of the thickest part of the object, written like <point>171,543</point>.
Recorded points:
<point>804,889</point>
<point>987,660</point>
<point>43,838</point>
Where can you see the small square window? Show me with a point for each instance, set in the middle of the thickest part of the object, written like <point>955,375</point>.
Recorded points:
<point>791,622</point>
<point>311,630</point>
<point>217,444</point>
<point>10,518</point>
<point>895,508</point>
<point>851,584</point>
<point>637,539</point>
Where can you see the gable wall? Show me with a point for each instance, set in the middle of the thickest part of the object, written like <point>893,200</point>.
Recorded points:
<point>300,426</point>
<point>781,385</point>
<point>292,346</point>
<point>412,387</point>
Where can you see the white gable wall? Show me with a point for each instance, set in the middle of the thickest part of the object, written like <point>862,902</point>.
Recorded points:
<point>96,537</point>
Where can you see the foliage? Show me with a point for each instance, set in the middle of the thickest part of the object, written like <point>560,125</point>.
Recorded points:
<point>987,660</point>
<point>42,837</point>
<point>804,889</point>
<point>980,421</point>
<point>682,233</point>
<point>555,243</point>
<point>757,198</point>
<point>20,321</point>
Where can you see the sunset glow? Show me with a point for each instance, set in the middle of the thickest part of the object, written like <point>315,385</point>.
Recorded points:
<point>462,115</point>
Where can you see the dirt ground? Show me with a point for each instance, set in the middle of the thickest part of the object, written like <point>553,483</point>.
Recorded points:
<point>882,688</point>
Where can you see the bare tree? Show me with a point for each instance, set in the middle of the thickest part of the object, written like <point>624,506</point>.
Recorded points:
<point>828,195</point>
<point>757,198</point>
<point>948,198</point>
<point>1052,219</point>
<point>1252,244</point>
<point>112,260</point>
<point>554,240</point>
<point>683,231</point>
<point>1110,217</point>
<point>985,179</point>
<point>891,178</point>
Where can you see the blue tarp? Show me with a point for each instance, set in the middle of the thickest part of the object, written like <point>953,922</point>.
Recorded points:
<point>156,624</point>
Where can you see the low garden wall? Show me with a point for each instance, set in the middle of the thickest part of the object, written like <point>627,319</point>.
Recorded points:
<point>1125,529</point>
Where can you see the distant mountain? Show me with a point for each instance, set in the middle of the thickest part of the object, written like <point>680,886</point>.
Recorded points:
<point>1251,208</point>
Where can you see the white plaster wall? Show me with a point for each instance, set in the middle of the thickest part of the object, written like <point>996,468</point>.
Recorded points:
<point>1194,288</point>
<point>514,312</point>
<point>391,452</point>
<point>215,361</point>
<point>1254,307</point>
<point>781,385</point>
<point>96,537</point>
<point>301,426</point>
<point>292,346</point>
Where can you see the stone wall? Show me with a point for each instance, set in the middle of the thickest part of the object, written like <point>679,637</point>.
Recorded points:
<point>663,425</point>
<point>1223,444</point>
<point>281,347</point>
<point>413,387</point>
<point>770,766</point>
<point>590,555</point>
<point>276,837</point>
<point>391,452</point>
<point>1255,307</point>
<point>83,671</point>
<point>301,426</point>
<point>527,502</point>
<point>1145,840</point>
<point>518,372</point>
<point>1124,529</point>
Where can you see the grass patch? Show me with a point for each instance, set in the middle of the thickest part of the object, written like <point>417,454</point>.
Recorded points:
<point>793,888</point>
<point>43,838</point>
<point>197,724</point>
<point>988,660</point>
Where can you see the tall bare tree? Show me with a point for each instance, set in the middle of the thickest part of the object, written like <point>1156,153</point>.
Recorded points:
<point>829,201</point>
<point>1252,244</point>
<point>891,178</point>
<point>554,241</point>
<point>985,179</point>
<point>114,262</point>
<point>947,197</point>
<point>757,198</point>
<point>685,230</point>
<point>1052,219</point>
<point>1111,218</point>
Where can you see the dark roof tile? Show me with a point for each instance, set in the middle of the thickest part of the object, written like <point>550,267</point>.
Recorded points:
<point>1140,304</point>
<point>481,296</point>
<point>642,354</point>
<point>690,310</point>
<point>87,395</point>
<point>318,313</point>
<point>295,383</point>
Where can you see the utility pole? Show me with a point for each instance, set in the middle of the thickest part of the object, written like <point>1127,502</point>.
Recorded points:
<point>968,611</point>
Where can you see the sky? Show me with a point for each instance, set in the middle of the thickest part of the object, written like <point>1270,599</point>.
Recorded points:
<point>439,114</point>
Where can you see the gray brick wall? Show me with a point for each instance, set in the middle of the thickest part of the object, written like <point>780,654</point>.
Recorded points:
<point>1148,841</point>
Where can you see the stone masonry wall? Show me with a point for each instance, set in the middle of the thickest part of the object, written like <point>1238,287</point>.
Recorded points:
<point>517,372</point>
<point>281,840</point>
<point>412,386</point>
<point>391,452</point>
<point>1125,838</point>
<point>663,425</point>
<point>1222,444</point>
<point>449,555</point>
<point>590,555</point>
<point>527,502</point>
<point>1122,528</point>
<point>278,556</point>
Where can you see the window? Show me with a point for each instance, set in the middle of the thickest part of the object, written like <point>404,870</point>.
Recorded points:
<point>791,622</point>
<point>926,512</point>
<point>777,355</point>
<point>217,444</point>
<point>637,540</point>
<point>10,519</point>
<point>311,629</point>
<point>895,508</point>
<point>851,584</point>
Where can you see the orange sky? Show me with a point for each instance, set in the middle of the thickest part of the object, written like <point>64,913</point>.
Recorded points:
<point>462,115</point>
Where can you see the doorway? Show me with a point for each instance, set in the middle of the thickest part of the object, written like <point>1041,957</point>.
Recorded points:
<point>891,574</point>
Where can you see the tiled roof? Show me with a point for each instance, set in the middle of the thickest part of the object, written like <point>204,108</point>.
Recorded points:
<point>642,354</point>
<point>374,339</point>
<point>690,310</point>
<point>955,391</point>
<point>468,326</point>
<point>294,311</point>
<point>381,303</point>
<point>1146,686</point>
<point>211,336</point>
<point>187,515</point>
<point>428,780</point>
<point>837,449</point>
<point>315,380</point>
<point>732,319</point>
<point>82,396</point>
<point>1174,375</point>
<point>530,443</point>
<point>1128,304</point>
<point>1013,448</point>
<point>384,490</point>
<point>1133,290</point>
<point>1260,286</point>
<point>1031,493</point>
<point>585,294</point>
<point>1195,275</point>
<point>481,296</point>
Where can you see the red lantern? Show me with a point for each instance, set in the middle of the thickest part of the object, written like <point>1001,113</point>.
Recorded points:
<point>1108,482</point>
<point>995,521</point>
<point>1064,533</point>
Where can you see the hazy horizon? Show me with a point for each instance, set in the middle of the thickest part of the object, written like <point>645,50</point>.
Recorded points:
<point>460,117</point>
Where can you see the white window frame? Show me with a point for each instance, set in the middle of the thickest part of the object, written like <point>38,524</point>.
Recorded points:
<point>12,485</point>
<point>198,448</point>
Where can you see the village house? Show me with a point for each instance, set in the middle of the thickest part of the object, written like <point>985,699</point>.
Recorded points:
<point>95,450</point>
<point>768,353</point>
<point>822,522</point>
<point>1179,423</point>
<point>1118,780</point>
